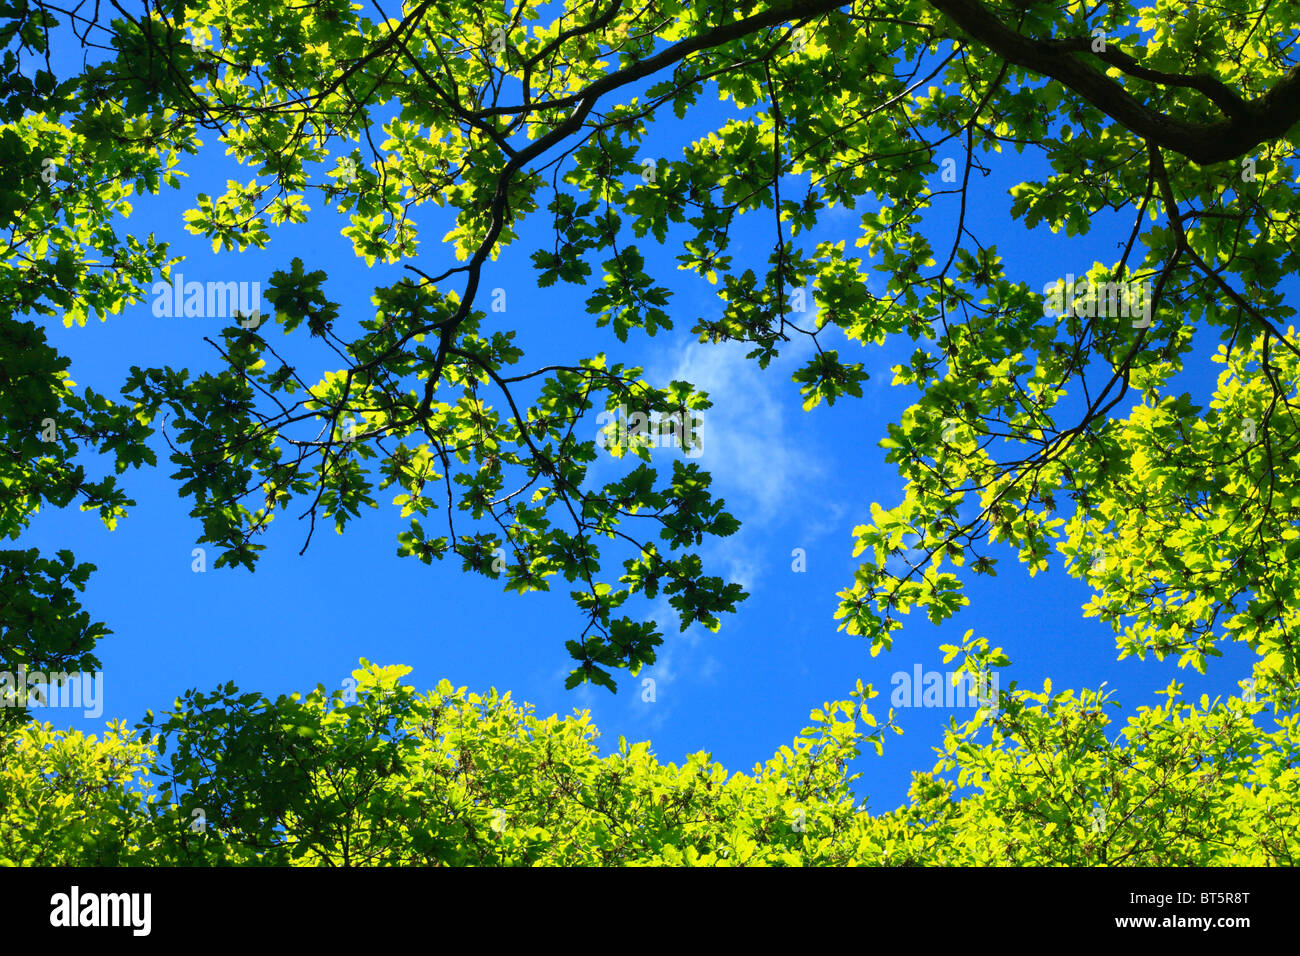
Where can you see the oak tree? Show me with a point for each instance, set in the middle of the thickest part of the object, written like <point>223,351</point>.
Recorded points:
<point>1049,420</point>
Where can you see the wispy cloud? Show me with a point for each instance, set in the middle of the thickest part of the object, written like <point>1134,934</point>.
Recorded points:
<point>683,653</point>
<point>746,442</point>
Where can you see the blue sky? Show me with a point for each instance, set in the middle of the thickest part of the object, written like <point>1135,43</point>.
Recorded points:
<point>794,479</point>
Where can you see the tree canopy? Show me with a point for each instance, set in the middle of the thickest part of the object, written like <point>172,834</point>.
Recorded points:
<point>456,778</point>
<point>1052,421</point>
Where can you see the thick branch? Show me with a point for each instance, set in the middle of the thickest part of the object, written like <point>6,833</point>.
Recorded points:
<point>1266,118</point>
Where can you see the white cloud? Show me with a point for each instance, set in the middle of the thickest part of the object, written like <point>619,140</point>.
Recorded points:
<point>679,654</point>
<point>745,442</point>
<point>743,562</point>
